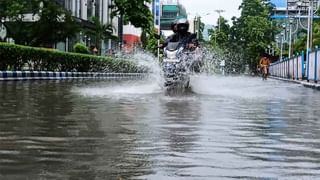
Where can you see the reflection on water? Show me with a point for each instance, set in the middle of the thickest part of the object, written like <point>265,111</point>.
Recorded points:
<point>228,128</point>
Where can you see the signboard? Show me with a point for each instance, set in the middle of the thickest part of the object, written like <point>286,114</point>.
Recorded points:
<point>3,32</point>
<point>157,13</point>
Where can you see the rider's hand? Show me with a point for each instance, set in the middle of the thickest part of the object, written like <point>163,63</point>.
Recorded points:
<point>191,45</point>
<point>160,46</point>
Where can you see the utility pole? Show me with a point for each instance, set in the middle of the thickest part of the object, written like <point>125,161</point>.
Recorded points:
<point>311,21</point>
<point>290,35</point>
<point>219,11</point>
<point>120,31</point>
<point>197,26</point>
<point>157,22</point>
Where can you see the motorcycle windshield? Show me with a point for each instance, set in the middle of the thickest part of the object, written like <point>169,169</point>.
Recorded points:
<point>172,46</point>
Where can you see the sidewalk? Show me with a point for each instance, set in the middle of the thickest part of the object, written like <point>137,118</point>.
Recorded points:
<point>305,83</point>
<point>50,75</point>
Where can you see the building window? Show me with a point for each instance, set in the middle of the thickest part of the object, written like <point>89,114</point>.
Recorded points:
<point>169,14</point>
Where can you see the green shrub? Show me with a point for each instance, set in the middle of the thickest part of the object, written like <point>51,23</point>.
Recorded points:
<point>16,57</point>
<point>81,48</point>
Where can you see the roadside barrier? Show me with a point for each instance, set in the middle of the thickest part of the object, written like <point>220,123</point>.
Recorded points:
<point>299,67</point>
<point>49,75</point>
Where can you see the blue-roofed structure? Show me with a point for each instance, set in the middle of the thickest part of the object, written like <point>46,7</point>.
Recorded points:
<point>169,13</point>
<point>284,9</point>
<point>279,3</point>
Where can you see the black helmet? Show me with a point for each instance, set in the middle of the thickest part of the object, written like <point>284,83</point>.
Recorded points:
<point>173,26</point>
<point>182,25</point>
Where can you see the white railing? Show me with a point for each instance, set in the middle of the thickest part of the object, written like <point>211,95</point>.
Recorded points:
<point>305,66</point>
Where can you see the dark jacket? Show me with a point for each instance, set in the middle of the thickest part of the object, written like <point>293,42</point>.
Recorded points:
<point>185,39</point>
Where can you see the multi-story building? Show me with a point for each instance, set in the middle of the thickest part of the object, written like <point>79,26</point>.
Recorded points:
<point>283,9</point>
<point>83,10</point>
<point>169,12</point>
<point>292,16</point>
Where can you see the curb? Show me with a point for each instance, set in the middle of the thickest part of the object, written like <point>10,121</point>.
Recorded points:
<point>303,82</point>
<point>50,75</point>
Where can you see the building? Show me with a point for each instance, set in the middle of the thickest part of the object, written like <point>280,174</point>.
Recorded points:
<point>170,10</point>
<point>284,9</point>
<point>292,18</point>
<point>83,10</point>
<point>131,37</point>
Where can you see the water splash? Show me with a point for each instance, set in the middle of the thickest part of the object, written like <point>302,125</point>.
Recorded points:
<point>148,60</point>
<point>128,89</point>
<point>239,87</point>
<point>151,85</point>
<point>206,82</point>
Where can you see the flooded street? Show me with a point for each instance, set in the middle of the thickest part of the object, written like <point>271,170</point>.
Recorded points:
<point>227,128</point>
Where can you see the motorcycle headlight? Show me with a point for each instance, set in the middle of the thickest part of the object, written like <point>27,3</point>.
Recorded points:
<point>171,54</point>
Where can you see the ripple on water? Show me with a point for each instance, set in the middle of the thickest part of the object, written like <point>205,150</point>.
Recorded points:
<point>228,128</point>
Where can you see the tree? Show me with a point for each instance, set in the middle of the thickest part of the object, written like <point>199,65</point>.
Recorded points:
<point>101,31</point>
<point>150,41</point>
<point>53,17</point>
<point>136,12</point>
<point>12,8</point>
<point>254,30</point>
<point>220,36</point>
<point>55,23</point>
<point>249,35</point>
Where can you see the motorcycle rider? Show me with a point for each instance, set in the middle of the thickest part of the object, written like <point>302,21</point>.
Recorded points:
<point>190,42</point>
<point>182,35</point>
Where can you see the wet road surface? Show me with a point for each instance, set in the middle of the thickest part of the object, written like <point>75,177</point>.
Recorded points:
<point>228,128</point>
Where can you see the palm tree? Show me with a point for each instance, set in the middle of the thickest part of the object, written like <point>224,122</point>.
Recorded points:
<point>101,31</point>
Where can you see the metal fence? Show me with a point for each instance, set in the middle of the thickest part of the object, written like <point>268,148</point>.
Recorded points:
<point>304,66</point>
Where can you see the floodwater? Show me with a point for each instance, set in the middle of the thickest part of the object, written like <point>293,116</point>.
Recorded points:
<point>228,128</point>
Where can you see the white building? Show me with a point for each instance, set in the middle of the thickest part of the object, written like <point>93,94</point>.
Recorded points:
<point>84,10</point>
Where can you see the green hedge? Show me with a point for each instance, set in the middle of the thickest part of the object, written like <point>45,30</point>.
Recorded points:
<point>81,48</point>
<point>16,57</point>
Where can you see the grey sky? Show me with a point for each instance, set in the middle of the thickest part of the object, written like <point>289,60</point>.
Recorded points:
<point>203,7</point>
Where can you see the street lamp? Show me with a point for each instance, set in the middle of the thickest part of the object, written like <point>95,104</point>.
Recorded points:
<point>269,49</point>
<point>89,42</point>
<point>219,11</point>
<point>310,20</point>
<point>3,30</point>
<point>290,35</point>
<point>80,37</point>
<point>85,40</point>
<point>197,22</point>
<point>282,39</point>
<point>277,41</point>
<point>281,44</point>
<point>41,5</point>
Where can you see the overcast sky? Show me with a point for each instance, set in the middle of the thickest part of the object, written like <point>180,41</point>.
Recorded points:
<point>203,7</point>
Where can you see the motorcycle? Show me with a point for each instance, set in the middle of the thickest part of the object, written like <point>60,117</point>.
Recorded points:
<point>176,66</point>
<point>181,59</point>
